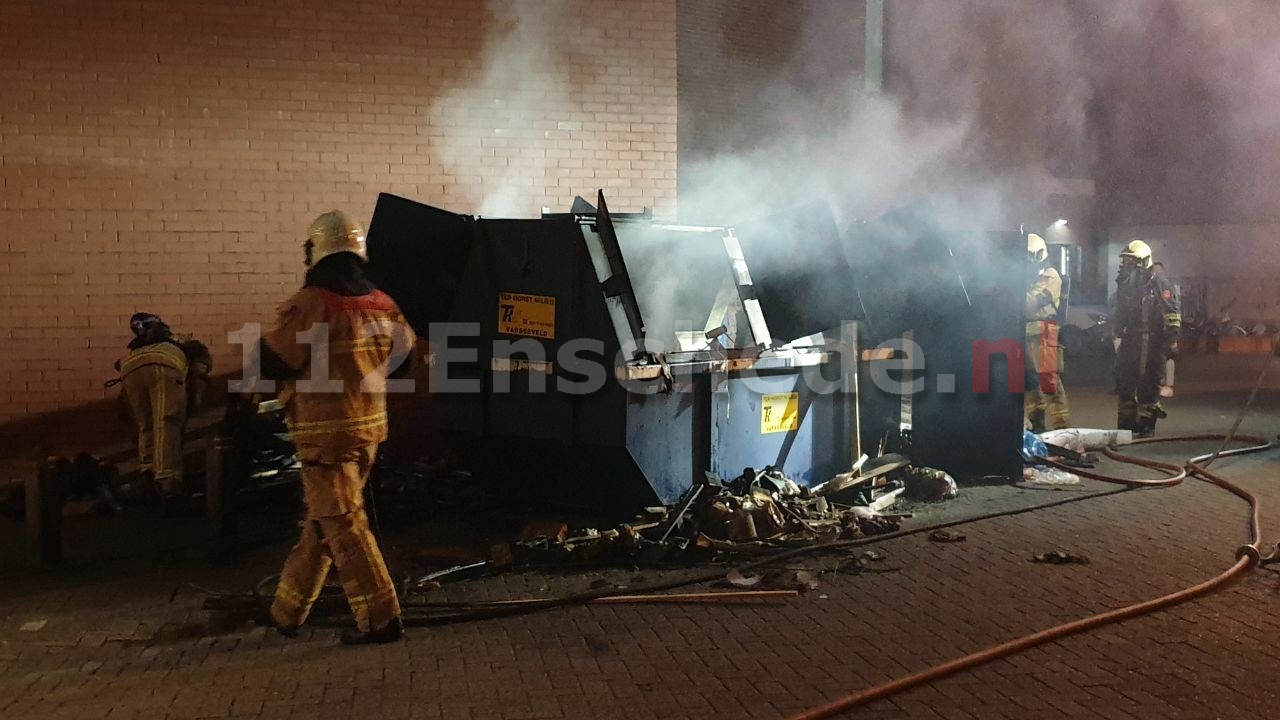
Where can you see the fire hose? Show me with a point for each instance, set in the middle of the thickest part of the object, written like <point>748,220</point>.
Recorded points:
<point>1247,556</point>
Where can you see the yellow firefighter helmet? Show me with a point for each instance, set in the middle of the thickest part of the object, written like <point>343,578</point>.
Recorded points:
<point>334,232</point>
<point>1139,251</point>
<point>1037,250</point>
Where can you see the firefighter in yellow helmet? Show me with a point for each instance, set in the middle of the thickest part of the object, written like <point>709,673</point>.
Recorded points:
<point>329,345</point>
<point>1045,401</point>
<point>1147,321</point>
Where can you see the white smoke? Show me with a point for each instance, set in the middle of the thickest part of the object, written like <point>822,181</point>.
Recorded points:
<point>990,109</point>
<point>1194,90</point>
<point>993,108</point>
<point>538,62</point>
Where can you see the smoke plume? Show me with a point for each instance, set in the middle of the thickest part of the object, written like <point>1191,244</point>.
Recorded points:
<point>537,63</point>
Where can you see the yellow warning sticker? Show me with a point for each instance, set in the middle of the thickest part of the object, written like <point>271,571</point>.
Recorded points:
<point>779,412</point>
<point>531,315</point>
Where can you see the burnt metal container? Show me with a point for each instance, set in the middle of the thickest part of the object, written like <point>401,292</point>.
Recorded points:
<point>709,349</point>
<point>663,319</point>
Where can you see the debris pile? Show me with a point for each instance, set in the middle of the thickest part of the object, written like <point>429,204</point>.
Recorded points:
<point>752,514</point>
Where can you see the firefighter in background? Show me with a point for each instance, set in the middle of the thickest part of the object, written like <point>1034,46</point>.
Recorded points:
<point>1166,380</point>
<point>336,414</point>
<point>1045,401</point>
<point>158,374</point>
<point>1147,321</point>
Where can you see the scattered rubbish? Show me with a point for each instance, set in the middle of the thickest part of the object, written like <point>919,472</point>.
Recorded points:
<point>737,579</point>
<point>929,484</point>
<point>435,577</point>
<point>1069,446</point>
<point>540,529</point>
<point>947,536</point>
<point>1049,476</point>
<point>589,535</point>
<point>1084,439</point>
<point>679,515</point>
<point>886,498</point>
<point>727,547</point>
<point>1032,446</point>
<point>1060,557</point>
<point>863,472</point>
<point>708,597</point>
<point>770,480</point>
<point>802,580</point>
<point>790,580</point>
<point>863,521</point>
<point>1067,456</point>
<point>862,563</point>
<point>33,626</point>
<point>752,514</point>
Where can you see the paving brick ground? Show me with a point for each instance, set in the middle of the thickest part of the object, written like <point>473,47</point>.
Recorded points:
<point>114,637</point>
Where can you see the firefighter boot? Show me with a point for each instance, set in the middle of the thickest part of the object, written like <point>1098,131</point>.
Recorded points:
<point>393,632</point>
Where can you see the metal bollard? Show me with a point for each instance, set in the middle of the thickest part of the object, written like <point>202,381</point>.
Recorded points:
<point>44,512</point>
<point>220,492</point>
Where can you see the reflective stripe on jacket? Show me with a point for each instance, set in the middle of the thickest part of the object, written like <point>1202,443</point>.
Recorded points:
<point>1043,300</point>
<point>162,353</point>
<point>353,336</point>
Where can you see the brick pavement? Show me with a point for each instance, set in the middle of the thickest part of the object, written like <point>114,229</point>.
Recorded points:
<point>127,639</point>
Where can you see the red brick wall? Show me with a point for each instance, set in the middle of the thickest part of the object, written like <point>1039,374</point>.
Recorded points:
<point>167,156</point>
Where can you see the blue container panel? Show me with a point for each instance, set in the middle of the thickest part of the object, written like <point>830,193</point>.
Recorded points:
<point>818,449</point>
<point>660,438</point>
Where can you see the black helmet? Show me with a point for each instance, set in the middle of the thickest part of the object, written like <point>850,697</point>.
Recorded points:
<point>142,322</point>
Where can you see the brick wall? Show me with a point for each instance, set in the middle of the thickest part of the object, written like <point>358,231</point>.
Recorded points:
<point>167,156</point>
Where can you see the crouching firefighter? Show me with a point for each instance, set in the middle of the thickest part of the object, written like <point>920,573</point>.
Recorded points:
<point>1045,401</point>
<point>332,344</point>
<point>158,376</point>
<point>1147,321</point>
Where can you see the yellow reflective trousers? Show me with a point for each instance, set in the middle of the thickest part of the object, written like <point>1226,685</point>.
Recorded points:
<point>1048,395</point>
<point>158,402</point>
<point>336,533</point>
